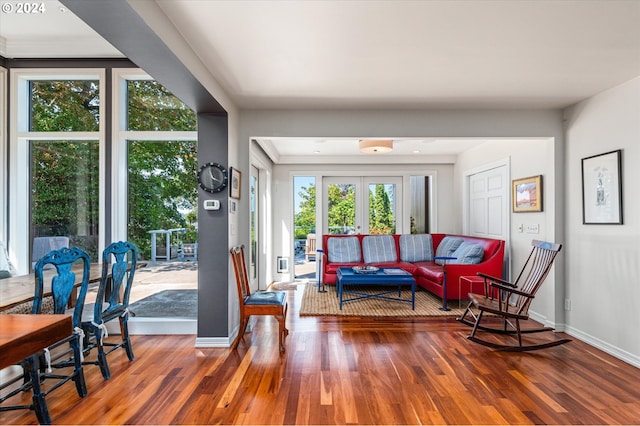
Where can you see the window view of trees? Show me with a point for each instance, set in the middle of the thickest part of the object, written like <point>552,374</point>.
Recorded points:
<point>65,192</point>
<point>64,106</point>
<point>162,191</point>
<point>64,174</point>
<point>305,218</point>
<point>162,185</point>
<point>162,182</point>
<point>151,107</point>
<point>381,217</point>
<point>342,210</point>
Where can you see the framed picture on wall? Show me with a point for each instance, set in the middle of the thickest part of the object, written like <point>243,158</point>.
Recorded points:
<point>526,194</point>
<point>235,183</point>
<point>602,189</point>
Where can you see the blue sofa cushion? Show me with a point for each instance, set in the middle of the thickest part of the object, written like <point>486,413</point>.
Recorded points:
<point>468,253</point>
<point>416,248</point>
<point>447,247</point>
<point>266,298</point>
<point>379,249</point>
<point>344,249</point>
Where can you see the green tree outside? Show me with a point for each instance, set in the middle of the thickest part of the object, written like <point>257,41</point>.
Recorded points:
<point>305,219</point>
<point>381,218</point>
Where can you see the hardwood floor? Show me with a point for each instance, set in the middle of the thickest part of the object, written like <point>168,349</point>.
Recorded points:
<point>350,371</point>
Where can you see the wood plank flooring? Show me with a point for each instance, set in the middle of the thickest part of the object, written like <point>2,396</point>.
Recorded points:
<point>350,371</point>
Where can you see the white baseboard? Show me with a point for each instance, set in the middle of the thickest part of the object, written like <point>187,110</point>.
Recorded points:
<point>169,325</point>
<point>615,351</point>
<point>217,342</point>
<point>213,342</point>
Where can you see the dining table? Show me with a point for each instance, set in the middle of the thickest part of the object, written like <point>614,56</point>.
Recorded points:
<point>21,288</point>
<point>22,337</point>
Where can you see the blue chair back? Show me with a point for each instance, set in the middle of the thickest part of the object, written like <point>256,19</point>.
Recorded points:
<point>68,264</point>
<point>118,268</point>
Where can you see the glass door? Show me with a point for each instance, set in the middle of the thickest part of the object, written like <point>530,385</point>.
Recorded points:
<point>383,204</point>
<point>362,205</point>
<point>253,226</point>
<point>342,205</point>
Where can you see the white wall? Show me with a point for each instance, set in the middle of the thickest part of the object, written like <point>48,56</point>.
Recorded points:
<point>603,272</point>
<point>526,157</point>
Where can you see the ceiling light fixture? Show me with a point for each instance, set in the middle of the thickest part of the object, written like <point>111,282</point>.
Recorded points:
<point>371,146</point>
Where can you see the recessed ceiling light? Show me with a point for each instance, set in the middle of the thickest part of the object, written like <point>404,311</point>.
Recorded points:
<point>316,152</point>
<point>416,151</point>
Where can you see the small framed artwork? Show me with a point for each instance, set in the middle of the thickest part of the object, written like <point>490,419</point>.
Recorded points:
<point>602,189</point>
<point>526,194</point>
<point>235,182</point>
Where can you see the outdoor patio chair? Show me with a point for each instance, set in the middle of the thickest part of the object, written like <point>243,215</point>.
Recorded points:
<point>259,303</point>
<point>43,245</point>
<point>510,302</point>
<point>112,302</point>
<point>54,361</point>
<point>310,247</point>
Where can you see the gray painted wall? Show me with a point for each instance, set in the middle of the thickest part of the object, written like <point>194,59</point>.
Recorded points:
<point>213,225</point>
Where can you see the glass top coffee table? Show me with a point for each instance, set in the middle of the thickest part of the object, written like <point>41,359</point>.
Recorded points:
<point>384,278</point>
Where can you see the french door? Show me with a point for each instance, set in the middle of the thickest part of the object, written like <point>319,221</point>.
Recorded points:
<point>254,226</point>
<point>362,205</point>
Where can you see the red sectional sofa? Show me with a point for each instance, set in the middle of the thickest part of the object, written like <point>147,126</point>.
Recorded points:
<point>392,252</point>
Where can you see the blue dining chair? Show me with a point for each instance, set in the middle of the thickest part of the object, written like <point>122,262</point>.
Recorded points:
<point>67,272</point>
<point>112,302</point>
<point>63,282</point>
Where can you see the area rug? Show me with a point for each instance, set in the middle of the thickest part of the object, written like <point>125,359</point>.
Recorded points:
<point>167,303</point>
<point>328,304</point>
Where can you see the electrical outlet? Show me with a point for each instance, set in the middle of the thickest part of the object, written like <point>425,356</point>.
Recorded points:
<point>567,304</point>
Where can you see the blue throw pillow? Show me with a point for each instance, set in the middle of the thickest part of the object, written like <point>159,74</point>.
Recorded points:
<point>379,249</point>
<point>416,248</point>
<point>468,253</point>
<point>344,250</point>
<point>447,246</point>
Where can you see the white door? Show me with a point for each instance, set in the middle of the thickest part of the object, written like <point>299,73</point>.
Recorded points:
<point>488,204</point>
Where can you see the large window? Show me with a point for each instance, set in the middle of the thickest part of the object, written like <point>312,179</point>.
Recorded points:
<point>162,167</point>
<point>56,157</point>
<point>65,173</point>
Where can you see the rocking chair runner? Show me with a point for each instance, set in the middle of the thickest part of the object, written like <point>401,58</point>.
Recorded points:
<point>510,301</point>
<point>260,303</point>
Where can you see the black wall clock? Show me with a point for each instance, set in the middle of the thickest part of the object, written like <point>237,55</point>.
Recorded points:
<point>212,177</point>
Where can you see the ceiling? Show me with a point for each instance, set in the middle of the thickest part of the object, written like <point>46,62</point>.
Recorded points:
<point>377,54</point>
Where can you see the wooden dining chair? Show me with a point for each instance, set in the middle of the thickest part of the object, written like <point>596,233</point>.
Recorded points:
<point>112,303</point>
<point>67,352</point>
<point>509,302</point>
<point>259,303</point>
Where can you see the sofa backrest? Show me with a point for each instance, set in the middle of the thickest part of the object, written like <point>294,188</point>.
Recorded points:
<point>491,246</point>
<point>379,249</point>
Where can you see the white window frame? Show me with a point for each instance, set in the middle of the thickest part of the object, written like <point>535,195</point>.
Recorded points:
<point>121,136</point>
<point>19,138</point>
<point>3,158</point>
